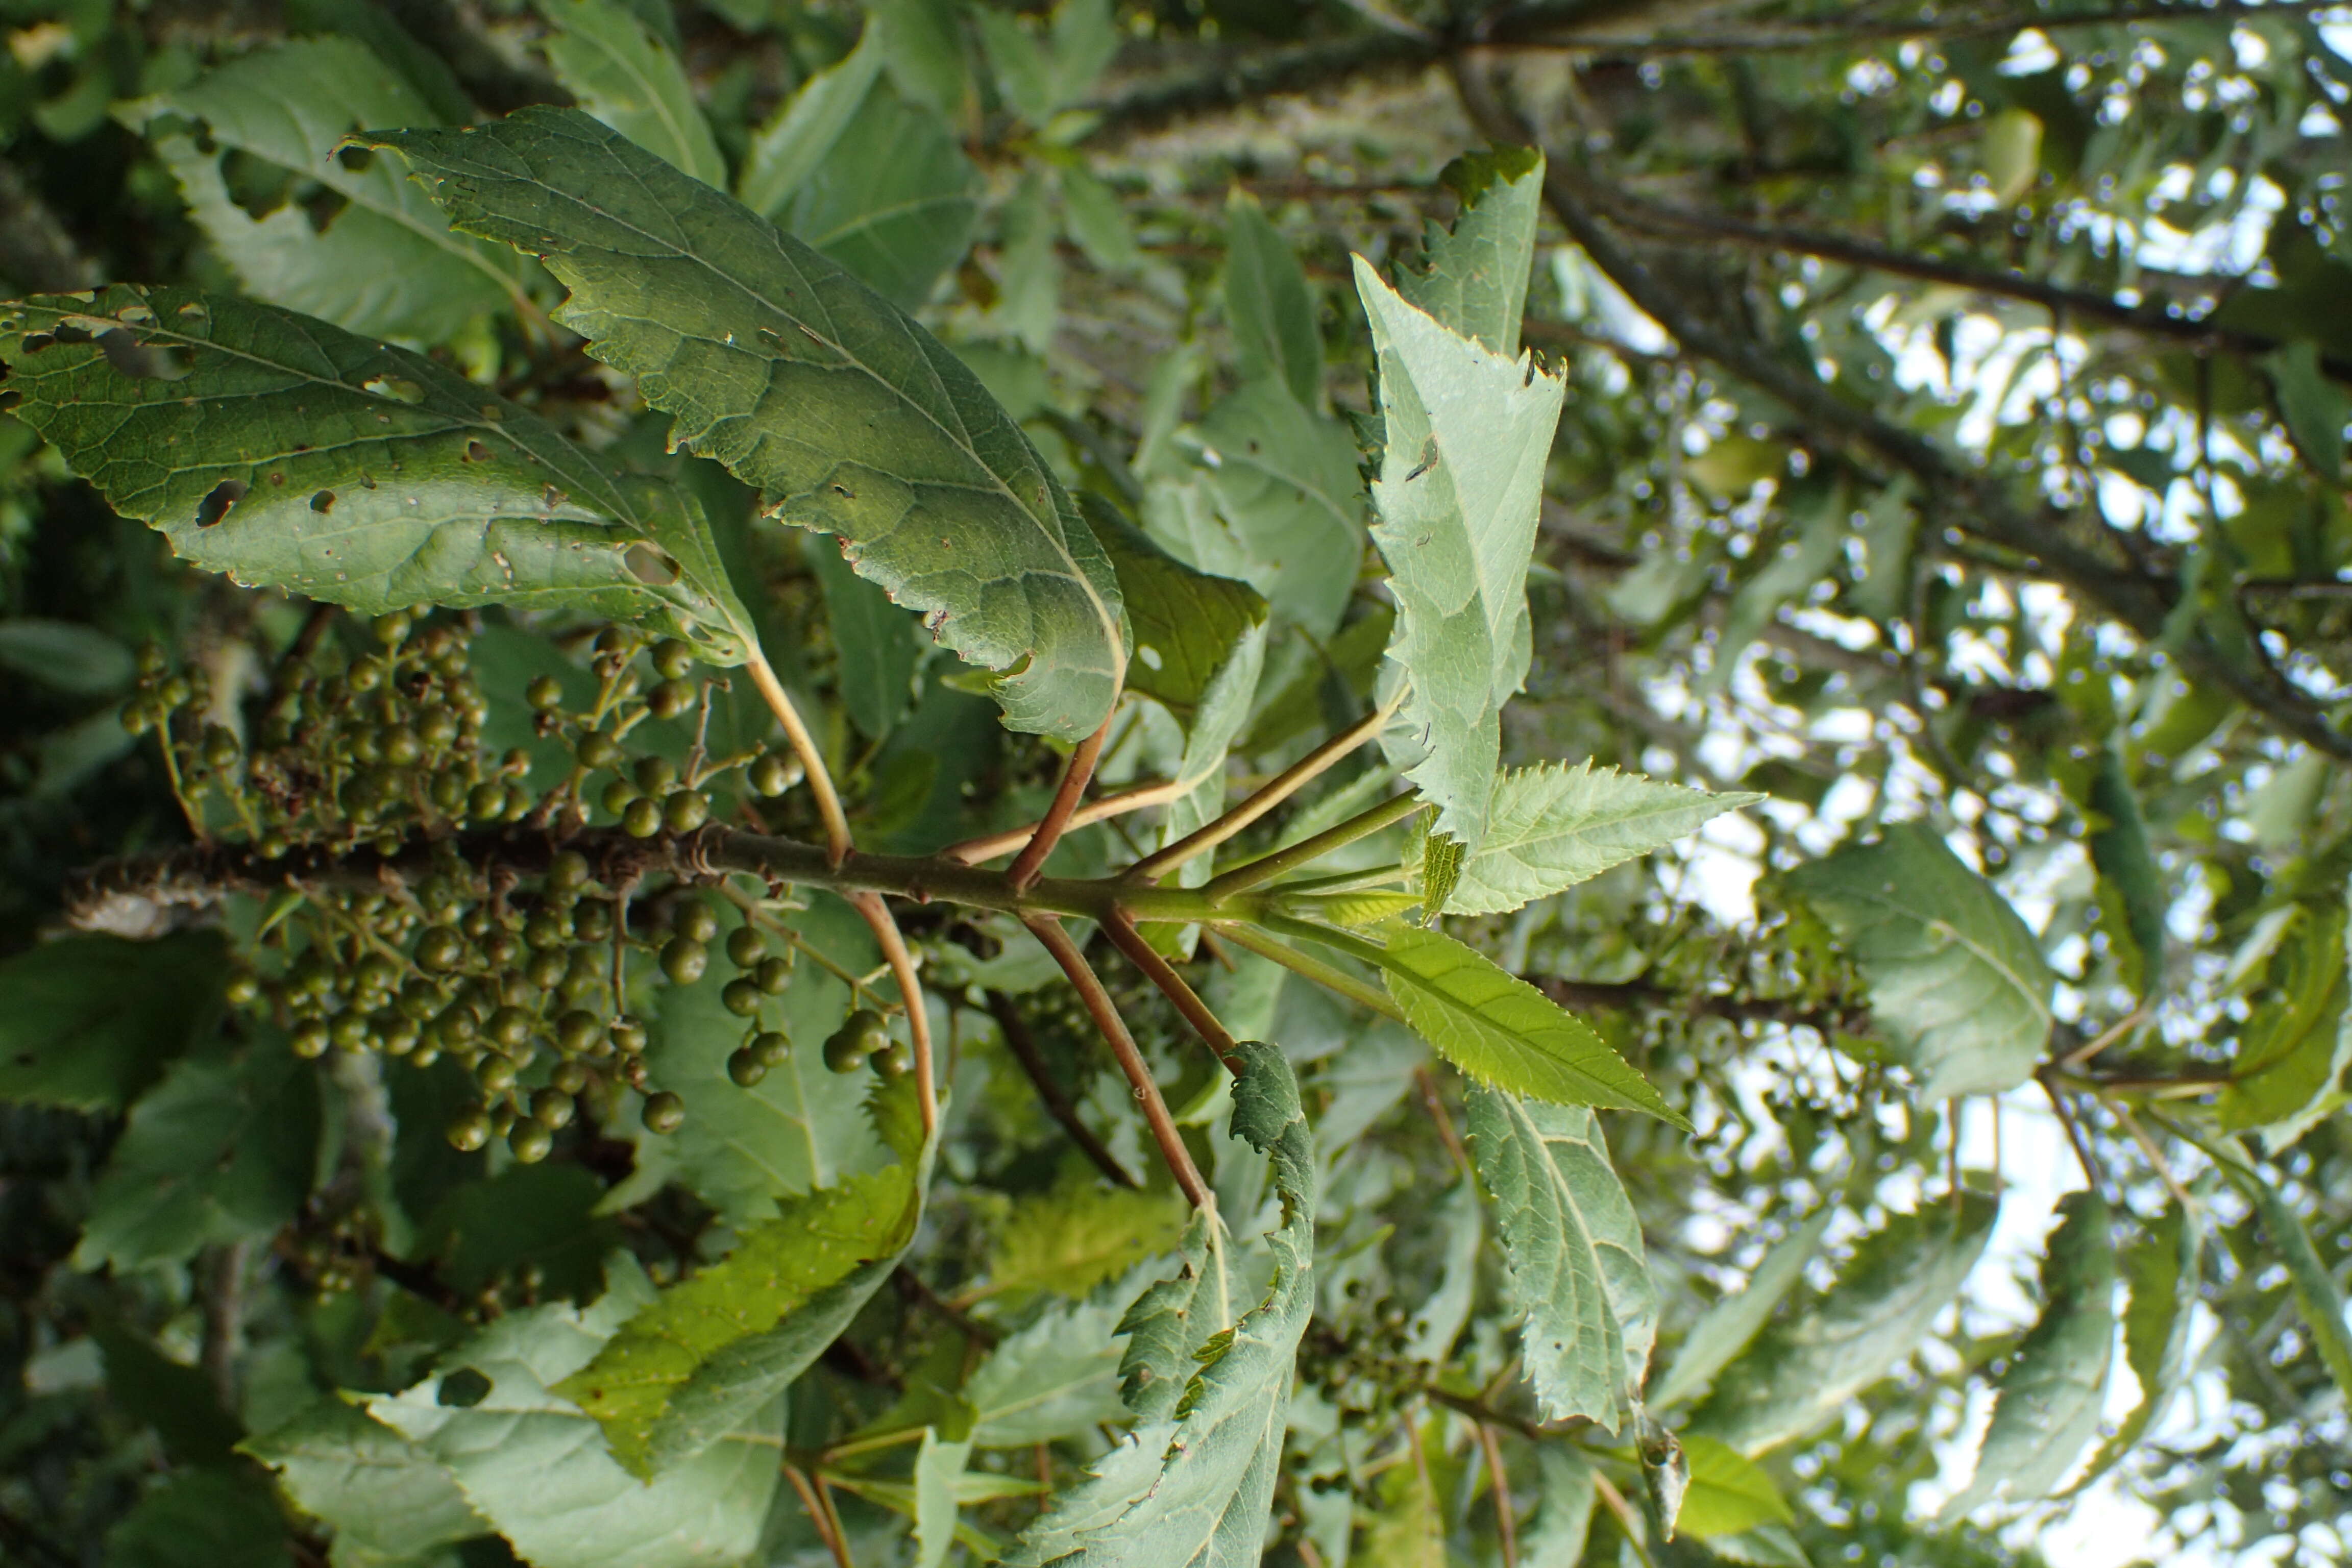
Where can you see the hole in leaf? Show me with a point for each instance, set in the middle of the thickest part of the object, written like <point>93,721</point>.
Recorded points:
<point>70,332</point>
<point>145,361</point>
<point>355,159</point>
<point>323,206</point>
<point>324,501</point>
<point>256,185</point>
<point>215,506</point>
<point>35,342</point>
<point>650,566</point>
<point>10,399</point>
<point>462,1389</point>
<point>476,453</point>
<point>400,389</point>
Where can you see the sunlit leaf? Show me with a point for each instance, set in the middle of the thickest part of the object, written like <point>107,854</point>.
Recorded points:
<point>1550,827</point>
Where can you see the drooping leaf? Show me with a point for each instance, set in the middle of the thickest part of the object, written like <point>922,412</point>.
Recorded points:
<point>387,1500</point>
<point>1268,305</point>
<point>201,1518</point>
<point>2048,1407</point>
<point>1728,1494</point>
<point>1802,1368</point>
<point>2161,1270</point>
<point>1577,1268</point>
<point>1469,433</point>
<point>224,1149</point>
<point>2287,1073</point>
<point>1550,827</point>
<point>73,1036</point>
<point>293,454</point>
<point>851,418</point>
<point>2312,407</point>
<point>937,1463</point>
<point>1505,1032</point>
<point>384,264</point>
<point>710,1350</point>
<point>1725,1329</point>
<point>1289,503</point>
<point>1955,980</point>
<point>1473,278</point>
<point>1186,624</point>
<point>894,200</point>
<point>529,1461</point>
<point>794,143</point>
<point>612,63</point>
<point>1192,1490</point>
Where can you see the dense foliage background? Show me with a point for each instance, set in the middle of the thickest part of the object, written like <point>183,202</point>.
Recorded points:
<point>1954,436</point>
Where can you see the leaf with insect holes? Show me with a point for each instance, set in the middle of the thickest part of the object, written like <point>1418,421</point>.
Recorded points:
<point>852,419</point>
<point>1469,433</point>
<point>289,454</point>
<point>1193,1489</point>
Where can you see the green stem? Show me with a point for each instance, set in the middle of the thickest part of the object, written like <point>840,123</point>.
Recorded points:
<point>1324,974</point>
<point>1307,851</point>
<point>1344,881</point>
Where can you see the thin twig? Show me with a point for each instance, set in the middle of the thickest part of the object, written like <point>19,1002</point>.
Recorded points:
<point>1276,790</point>
<point>1023,1046</point>
<point>1156,968</point>
<point>1307,851</point>
<point>2082,1055</point>
<point>1313,968</point>
<point>1426,1082</point>
<point>912,1286</point>
<point>2091,1172</point>
<point>1136,797</point>
<point>819,1516</point>
<point>1507,1528</point>
<point>871,908</point>
<point>1105,1013</point>
<point>1031,861</point>
<point>820,778</point>
<point>2154,1155</point>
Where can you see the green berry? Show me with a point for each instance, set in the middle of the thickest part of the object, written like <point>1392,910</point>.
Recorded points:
<point>774,975</point>
<point>613,640</point>
<point>654,776</point>
<point>772,776</point>
<point>243,990</point>
<point>366,673</point>
<point>350,1030</point>
<point>745,947</point>
<point>438,728</point>
<point>746,1068</point>
<point>893,1061</point>
<point>672,658</point>
<point>844,1051</point>
<point>618,796</point>
<point>869,1026</point>
<point>598,750</point>
<point>547,930</point>
<point>568,872</point>
<point>311,1038</point>
<point>456,1026</point>
<point>628,1036</point>
<point>769,1049</point>
<point>508,1028</point>
<point>569,1077</point>
<point>486,802</point>
<point>593,921</point>
<point>692,917</point>
<point>390,628</point>
<point>742,998</point>
<point>670,699</point>
<point>543,693</point>
<point>683,959</point>
<point>495,1074</point>
<point>220,747</point>
<point>399,745</point>
<point>665,1113</point>
<point>685,810</point>
<point>530,1140</point>
<point>470,1129</point>
<point>551,1107</point>
<point>643,819</point>
<point>546,969</point>
<point>577,1031</point>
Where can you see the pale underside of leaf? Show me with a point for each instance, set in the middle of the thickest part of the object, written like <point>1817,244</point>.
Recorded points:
<point>849,416</point>
<point>1577,1271</point>
<point>1550,827</point>
<point>1474,276</point>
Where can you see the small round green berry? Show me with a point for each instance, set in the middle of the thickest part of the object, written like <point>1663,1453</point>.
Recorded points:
<point>577,1031</point>
<point>508,1028</point>
<point>745,947</point>
<point>773,775</point>
<point>683,959</point>
<point>670,699</point>
<point>544,693</point>
<point>457,1026</point>
<point>470,1129</point>
<point>221,750</point>
<point>628,1036</point>
<point>486,802</point>
<point>893,1061</point>
<point>569,1077</point>
<point>551,1106</point>
<point>350,1030</point>
<point>619,796</point>
<point>546,930</point>
<point>546,969</point>
<point>568,871</point>
<point>745,1068</point>
<point>495,1074</point>
<point>614,639</point>
<point>243,989</point>
<point>643,819</point>
<point>366,673</point>
<point>390,628</point>
<point>844,1052</point>
<point>774,975</point>
<point>598,750</point>
<point>672,658</point>
<point>654,776</point>
<point>769,1049</point>
<point>685,810</point>
<point>593,921</point>
<point>742,997</point>
<point>692,917</point>
<point>665,1113</point>
<point>503,1117</point>
<point>311,1038</point>
<point>532,1141</point>
<point>399,745</point>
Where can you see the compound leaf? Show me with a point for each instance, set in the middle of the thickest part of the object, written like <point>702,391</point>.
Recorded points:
<point>1956,979</point>
<point>2048,1405</point>
<point>1504,1031</point>
<point>850,417</point>
<point>1469,433</point>
<point>1473,276</point>
<point>1550,827</point>
<point>624,76</point>
<point>290,454</point>
<point>1192,1490</point>
<point>1802,1371</point>
<point>1574,1245</point>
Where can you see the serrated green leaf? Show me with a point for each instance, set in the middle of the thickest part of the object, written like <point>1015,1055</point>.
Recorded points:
<point>531,1464</point>
<point>1056,1378</point>
<point>1505,1032</point>
<point>1169,1322</point>
<point>1955,981</point>
<point>1441,872</point>
<point>1728,1494</point>
<point>1187,623</point>
<point>684,1371</point>
<point>794,143</point>
<point>1550,827</point>
<point>74,1037</point>
<point>384,266</point>
<point>612,63</point>
<point>1076,1237</point>
<point>387,1500</point>
<point>1268,307</point>
<point>852,419</point>
<point>1802,1371</point>
<point>2317,1299</point>
<point>1473,278</point>
<point>894,201</point>
<point>2049,1401</point>
<point>294,454</point>
<point>1725,1329</point>
<point>1290,500</point>
<point>2161,1270</point>
<point>2287,1072</point>
<point>222,1149</point>
<point>1576,1269</point>
<point>937,1463</point>
<point>1196,1489</point>
<point>1459,489</point>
